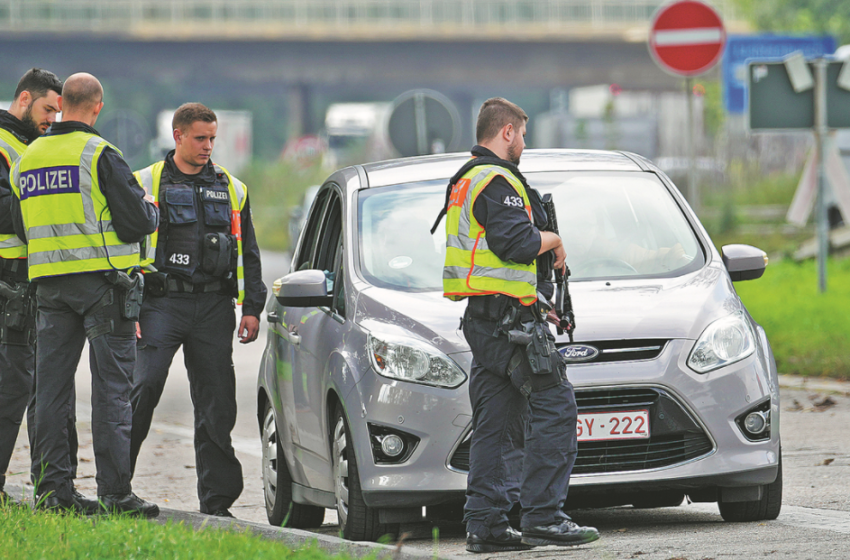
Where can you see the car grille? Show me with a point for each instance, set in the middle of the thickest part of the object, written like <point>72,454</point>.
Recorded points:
<point>674,435</point>
<point>624,350</point>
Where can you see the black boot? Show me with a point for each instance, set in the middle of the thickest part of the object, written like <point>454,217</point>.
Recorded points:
<point>509,540</point>
<point>566,533</point>
<point>85,505</point>
<point>129,504</point>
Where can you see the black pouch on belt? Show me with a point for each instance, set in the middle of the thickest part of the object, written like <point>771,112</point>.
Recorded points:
<point>217,260</point>
<point>156,284</point>
<point>15,310</point>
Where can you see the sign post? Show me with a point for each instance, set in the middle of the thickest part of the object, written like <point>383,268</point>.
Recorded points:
<point>793,94</point>
<point>686,39</point>
<point>820,134</point>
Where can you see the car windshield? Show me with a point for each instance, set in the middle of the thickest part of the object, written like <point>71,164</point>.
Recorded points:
<point>614,225</point>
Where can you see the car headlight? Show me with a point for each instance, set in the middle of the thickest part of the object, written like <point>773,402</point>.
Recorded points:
<point>723,342</point>
<point>412,360</point>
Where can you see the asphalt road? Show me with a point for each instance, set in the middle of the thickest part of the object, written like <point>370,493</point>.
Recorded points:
<point>814,523</point>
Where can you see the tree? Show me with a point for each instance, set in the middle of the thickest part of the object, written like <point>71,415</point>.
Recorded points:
<point>828,17</point>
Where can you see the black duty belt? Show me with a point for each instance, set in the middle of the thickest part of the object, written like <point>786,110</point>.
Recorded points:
<point>494,307</point>
<point>175,285</point>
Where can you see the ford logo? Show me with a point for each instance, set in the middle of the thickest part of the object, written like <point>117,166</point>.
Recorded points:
<point>578,353</point>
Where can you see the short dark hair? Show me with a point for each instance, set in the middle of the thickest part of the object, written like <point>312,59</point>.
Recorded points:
<point>190,113</point>
<point>38,82</point>
<point>495,113</point>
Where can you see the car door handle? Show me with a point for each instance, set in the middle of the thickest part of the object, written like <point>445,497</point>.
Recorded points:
<point>273,317</point>
<point>294,337</point>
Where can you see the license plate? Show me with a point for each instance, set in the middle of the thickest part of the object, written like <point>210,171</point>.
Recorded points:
<point>600,426</point>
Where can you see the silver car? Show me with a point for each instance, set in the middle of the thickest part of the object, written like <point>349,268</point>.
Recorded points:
<point>362,393</point>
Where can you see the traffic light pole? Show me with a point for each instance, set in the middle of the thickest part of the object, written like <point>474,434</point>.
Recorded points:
<point>821,132</point>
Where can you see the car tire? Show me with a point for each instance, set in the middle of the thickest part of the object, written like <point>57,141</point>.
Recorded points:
<point>277,483</point>
<point>659,500</point>
<point>766,508</point>
<point>357,521</point>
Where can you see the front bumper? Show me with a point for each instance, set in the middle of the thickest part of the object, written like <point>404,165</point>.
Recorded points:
<point>713,452</point>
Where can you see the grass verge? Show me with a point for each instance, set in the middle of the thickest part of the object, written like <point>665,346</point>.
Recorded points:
<point>28,534</point>
<point>274,189</point>
<point>808,331</point>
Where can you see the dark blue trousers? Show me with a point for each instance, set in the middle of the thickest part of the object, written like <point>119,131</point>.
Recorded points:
<point>203,324</point>
<point>523,448</point>
<point>72,308</point>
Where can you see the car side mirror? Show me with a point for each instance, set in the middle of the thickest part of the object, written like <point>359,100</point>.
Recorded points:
<point>744,262</point>
<point>304,288</point>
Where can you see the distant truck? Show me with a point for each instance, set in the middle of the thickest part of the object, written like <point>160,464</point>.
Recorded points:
<point>357,133</point>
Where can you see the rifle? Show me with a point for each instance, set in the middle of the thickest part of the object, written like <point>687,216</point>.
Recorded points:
<point>563,301</point>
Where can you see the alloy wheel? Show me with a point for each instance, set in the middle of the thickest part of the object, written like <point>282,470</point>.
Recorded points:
<point>340,458</point>
<point>270,459</point>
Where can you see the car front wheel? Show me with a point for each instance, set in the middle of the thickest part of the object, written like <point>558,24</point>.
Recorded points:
<point>277,483</point>
<point>357,521</point>
<point>766,508</point>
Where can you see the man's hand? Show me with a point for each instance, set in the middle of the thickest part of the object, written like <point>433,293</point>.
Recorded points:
<point>249,328</point>
<point>560,257</point>
<point>138,330</point>
<point>551,242</point>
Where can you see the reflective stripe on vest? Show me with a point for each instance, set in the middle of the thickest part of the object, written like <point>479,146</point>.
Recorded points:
<point>471,268</point>
<point>150,177</point>
<point>66,216</point>
<point>11,247</point>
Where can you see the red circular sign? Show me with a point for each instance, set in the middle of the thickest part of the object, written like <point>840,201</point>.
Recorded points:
<point>687,37</point>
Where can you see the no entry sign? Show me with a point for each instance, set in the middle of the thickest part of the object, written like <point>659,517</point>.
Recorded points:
<point>687,37</point>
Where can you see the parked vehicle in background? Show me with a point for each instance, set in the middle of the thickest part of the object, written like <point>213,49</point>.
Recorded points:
<point>357,132</point>
<point>362,390</point>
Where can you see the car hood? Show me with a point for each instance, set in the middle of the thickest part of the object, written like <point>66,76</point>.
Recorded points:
<point>659,308</point>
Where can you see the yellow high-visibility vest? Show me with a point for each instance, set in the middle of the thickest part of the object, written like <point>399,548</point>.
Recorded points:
<point>11,148</point>
<point>66,216</point>
<point>150,177</point>
<point>471,268</point>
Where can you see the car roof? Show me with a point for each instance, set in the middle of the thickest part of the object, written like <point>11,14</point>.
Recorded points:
<point>444,166</point>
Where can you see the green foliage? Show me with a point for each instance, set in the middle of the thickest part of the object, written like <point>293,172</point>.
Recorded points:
<point>28,534</point>
<point>808,331</point>
<point>829,17</point>
<point>726,218</point>
<point>713,111</point>
<point>274,189</point>
<point>748,186</point>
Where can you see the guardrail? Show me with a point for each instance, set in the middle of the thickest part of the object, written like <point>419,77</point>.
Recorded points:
<point>323,17</point>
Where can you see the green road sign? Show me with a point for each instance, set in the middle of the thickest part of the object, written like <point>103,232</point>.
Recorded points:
<point>775,105</point>
<point>837,98</point>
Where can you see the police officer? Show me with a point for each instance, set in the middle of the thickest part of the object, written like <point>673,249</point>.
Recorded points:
<point>491,209</point>
<point>37,101</point>
<point>82,214</point>
<point>205,254</point>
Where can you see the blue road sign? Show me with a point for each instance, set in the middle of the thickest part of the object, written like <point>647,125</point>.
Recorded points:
<point>739,48</point>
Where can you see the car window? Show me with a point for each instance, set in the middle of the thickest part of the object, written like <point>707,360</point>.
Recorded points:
<point>329,238</point>
<point>397,249</point>
<point>339,280</point>
<point>311,232</point>
<point>620,225</point>
<point>614,225</point>
<point>329,251</point>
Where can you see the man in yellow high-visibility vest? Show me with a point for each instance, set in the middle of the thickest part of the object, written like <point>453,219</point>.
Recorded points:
<point>498,258</point>
<point>82,214</point>
<point>34,108</point>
